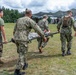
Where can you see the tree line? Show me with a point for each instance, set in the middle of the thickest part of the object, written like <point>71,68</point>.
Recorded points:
<point>11,15</point>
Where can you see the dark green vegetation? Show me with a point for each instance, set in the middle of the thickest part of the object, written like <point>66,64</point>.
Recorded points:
<point>11,15</point>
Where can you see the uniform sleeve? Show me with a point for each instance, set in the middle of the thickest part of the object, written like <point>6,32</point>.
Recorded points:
<point>46,25</point>
<point>73,24</point>
<point>1,22</point>
<point>15,27</point>
<point>36,28</point>
<point>59,24</point>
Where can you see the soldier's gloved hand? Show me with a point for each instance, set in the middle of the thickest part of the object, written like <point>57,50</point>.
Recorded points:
<point>12,40</point>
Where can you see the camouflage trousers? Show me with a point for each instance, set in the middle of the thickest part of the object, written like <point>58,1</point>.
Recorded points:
<point>1,50</point>
<point>1,46</point>
<point>22,48</point>
<point>41,43</point>
<point>66,37</point>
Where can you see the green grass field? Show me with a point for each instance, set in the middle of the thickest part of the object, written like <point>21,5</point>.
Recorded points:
<point>50,62</point>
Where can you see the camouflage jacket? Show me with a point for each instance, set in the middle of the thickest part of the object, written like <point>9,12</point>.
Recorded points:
<point>67,29</point>
<point>43,24</point>
<point>23,27</point>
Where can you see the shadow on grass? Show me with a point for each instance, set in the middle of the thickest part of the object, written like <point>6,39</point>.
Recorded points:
<point>30,56</point>
<point>35,55</point>
<point>8,67</point>
<point>9,63</point>
<point>5,73</point>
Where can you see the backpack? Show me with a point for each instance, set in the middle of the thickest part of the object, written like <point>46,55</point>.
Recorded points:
<point>65,21</point>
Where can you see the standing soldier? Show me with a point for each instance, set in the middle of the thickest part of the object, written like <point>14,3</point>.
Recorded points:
<point>66,24</point>
<point>43,24</point>
<point>21,31</point>
<point>2,33</point>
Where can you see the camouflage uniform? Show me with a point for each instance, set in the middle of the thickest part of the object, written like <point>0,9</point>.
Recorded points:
<point>66,34</point>
<point>1,46</point>
<point>21,31</point>
<point>43,24</point>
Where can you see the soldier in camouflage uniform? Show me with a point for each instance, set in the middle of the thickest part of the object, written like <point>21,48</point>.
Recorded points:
<point>2,33</point>
<point>21,31</point>
<point>66,24</point>
<point>43,24</point>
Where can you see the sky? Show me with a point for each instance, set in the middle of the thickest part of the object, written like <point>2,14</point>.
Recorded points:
<point>39,5</point>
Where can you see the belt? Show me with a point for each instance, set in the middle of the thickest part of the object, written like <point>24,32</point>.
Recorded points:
<point>64,26</point>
